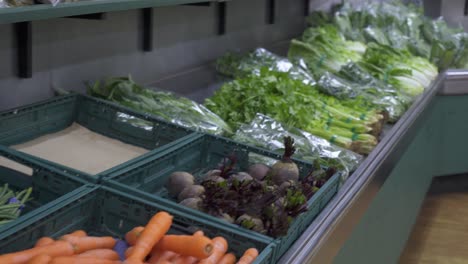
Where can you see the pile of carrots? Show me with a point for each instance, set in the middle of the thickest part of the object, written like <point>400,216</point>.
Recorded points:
<point>144,245</point>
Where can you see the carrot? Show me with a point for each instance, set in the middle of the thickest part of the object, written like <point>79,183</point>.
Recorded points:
<point>81,260</point>
<point>132,235</point>
<point>44,241</point>
<point>165,262</point>
<point>129,261</point>
<point>249,256</point>
<point>128,252</point>
<point>83,244</point>
<point>79,233</point>
<point>58,248</point>
<point>220,247</point>
<point>186,259</point>
<point>157,227</point>
<point>101,254</point>
<point>40,259</point>
<point>174,258</point>
<point>199,233</point>
<point>200,247</point>
<point>183,260</point>
<point>229,258</point>
<point>157,256</point>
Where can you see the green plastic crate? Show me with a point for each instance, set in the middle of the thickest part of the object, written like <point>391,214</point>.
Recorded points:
<point>148,177</point>
<point>104,211</point>
<point>49,184</point>
<point>106,118</point>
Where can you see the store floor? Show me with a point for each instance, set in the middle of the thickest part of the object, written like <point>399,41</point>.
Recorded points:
<point>440,235</point>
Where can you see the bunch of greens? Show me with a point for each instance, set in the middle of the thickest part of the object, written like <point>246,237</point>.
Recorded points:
<point>369,94</point>
<point>325,49</point>
<point>401,26</point>
<point>449,46</point>
<point>265,132</point>
<point>15,3</point>
<point>335,63</point>
<point>165,105</point>
<point>11,203</point>
<point>410,74</point>
<point>238,66</point>
<point>297,105</point>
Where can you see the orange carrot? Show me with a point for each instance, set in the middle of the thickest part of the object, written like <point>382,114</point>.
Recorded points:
<point>165,262</point>
<point>157,227</point>
<point>199,233</point>
<point>83,244</point>
<point>128,252</point>
<point>44,241</point>
<point>174,258</point>
<point>101,254</point>
<point>129,261</point>
<point>58,248</point>
<point>183,260</point>
<point>200,247</point>
<point>157,256</point>
<point>220,247</point>
<point>249,256</point>
<point>229,258</point>
<point>81,260</point>
<point>132,235</point>
<point>40,259</point>
<point>79,233</point>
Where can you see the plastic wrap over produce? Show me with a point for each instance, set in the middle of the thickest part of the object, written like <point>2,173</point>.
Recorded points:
<point>267,133</point>
<point>165,105</point>
<point>377,94</point>
<point>179,111</point>
<point>134,121</point>
<point>15,3</point>
<point>238,66</point>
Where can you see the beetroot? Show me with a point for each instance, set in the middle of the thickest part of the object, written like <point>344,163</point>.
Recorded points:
<point>285,169</point>
<point>258,171</point>
<point>193,191</point>
<point>178,181</point>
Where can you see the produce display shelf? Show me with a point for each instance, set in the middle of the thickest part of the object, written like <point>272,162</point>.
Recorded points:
<point>147,179</point>
<point>103,211</point>
<point>332,228</point>
<point>329,233</point>
<point>50,186</point>
<point>47,11</point>
<point>29,122</point>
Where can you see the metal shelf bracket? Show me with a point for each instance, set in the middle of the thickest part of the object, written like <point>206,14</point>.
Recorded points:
<point>147,29</point>
<point>23,37</point>
<point>220,18</point>
<point>306,8</point>
<point>270,11</point>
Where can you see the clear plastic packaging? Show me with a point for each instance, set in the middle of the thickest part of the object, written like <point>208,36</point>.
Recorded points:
<point>165,105</point>
<point>15,3</point>
<point>240,66</point>
<point>357,82</point>
<point>267,133</point>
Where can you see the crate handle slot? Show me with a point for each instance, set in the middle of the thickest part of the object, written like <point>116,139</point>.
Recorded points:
<point>10,174</point>
<point>15,168</point>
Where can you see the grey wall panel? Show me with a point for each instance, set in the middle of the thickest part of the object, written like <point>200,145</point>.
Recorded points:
<point>245,14</point>
<point>6,52</point>
<point>67,52</point>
